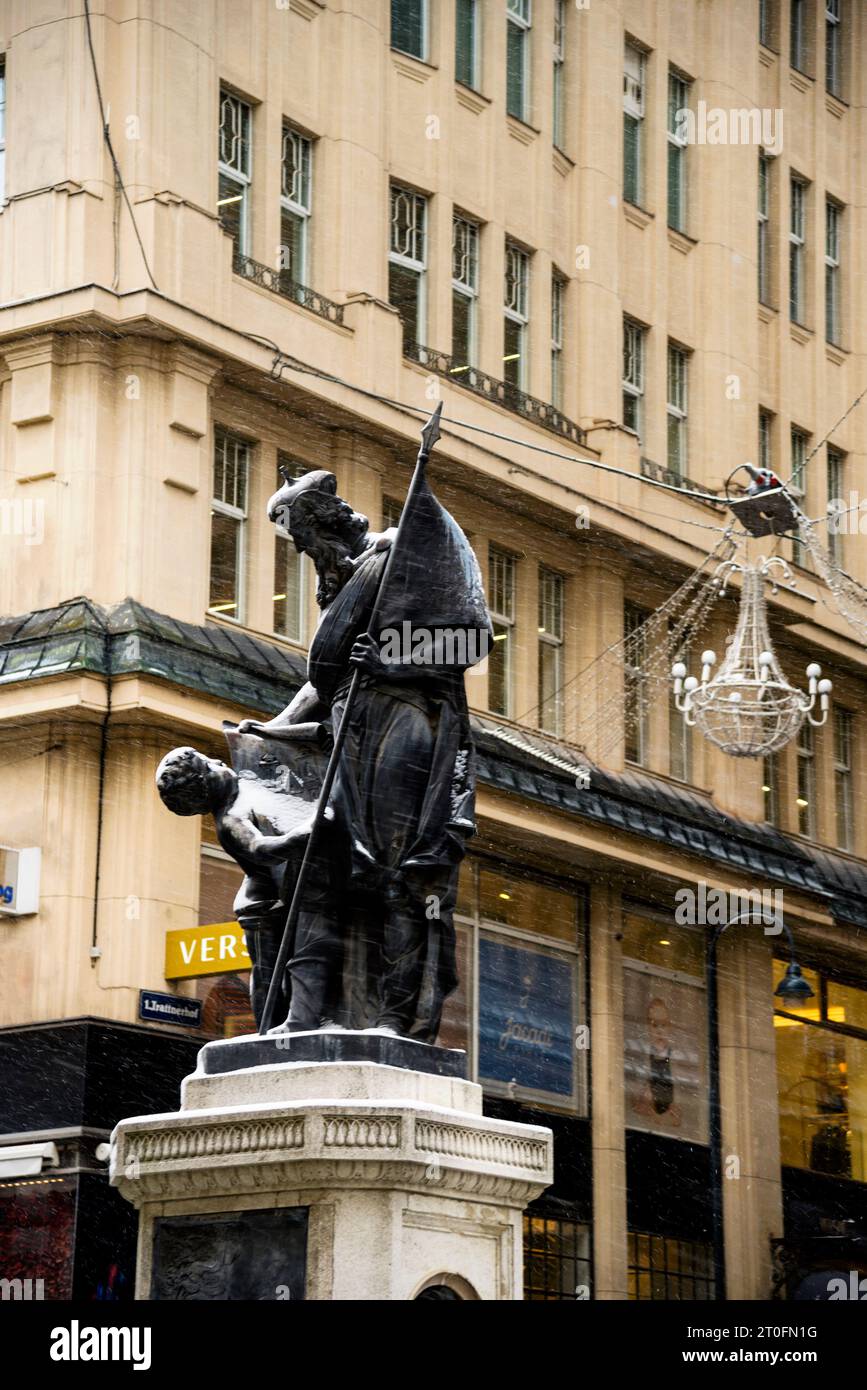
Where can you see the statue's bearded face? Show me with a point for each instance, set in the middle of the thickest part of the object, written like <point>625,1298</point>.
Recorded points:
<point>331,536</point>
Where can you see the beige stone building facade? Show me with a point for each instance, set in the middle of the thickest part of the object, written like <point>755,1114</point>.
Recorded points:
<point>248,233</point>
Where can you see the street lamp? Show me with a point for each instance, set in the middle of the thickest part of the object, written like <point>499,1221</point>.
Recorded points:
<point>793,988</point>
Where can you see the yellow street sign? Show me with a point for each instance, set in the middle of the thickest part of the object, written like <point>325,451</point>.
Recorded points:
<point>214,949</point>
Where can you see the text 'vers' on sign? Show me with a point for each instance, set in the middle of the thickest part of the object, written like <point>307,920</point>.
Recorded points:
<point>154,1007</point>
<point>211,950</point>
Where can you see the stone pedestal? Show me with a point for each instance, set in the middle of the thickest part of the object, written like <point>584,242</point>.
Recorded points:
<point>337,1179</point>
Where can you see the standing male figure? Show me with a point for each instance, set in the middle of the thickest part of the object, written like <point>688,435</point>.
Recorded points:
<point>376,919</point>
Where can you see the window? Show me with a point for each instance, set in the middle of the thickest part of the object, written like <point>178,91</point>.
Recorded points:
<point>2,131</point>
<point>664,1025</point>
<point>822,1077</point>
<point>551,591</point>
<point>228,520</point>
<point>518,19</point>
<point>558,297</point>
<point>797,238</point>
<point>465,292</point>
<point>767,22</point>
<point>407,261</point>
<point>660,1267</point>
<point>836,464</point>
<point>678,101</point>
<point>557,1258</point>
<point>833,71</point>
<point>636,703</point>
<point>677,407</point>
<point>234,170</point>
<point>516,309</point>
<point>502,583</point>
<point>771,788</point>
<point>679,732</point>
<point>289,570</point>
<point>633,124</point>
<point>799,441</point>
<point>766,439</point>
<point>467,42</point>
<point>633,376</point>
<point>844,803</point>
<point>409,27</point>
<point>295,205</point>
<point>798,35</point>
<point>832,271</point>
<point>764,246</point>
<point>391,510</point>
<point>558,77</point>
<point>806,798</point>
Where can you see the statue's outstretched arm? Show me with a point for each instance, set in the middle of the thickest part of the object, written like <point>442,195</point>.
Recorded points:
<point>305,708</point>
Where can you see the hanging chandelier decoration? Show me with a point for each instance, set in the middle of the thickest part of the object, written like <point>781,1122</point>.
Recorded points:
<point>749,709</point>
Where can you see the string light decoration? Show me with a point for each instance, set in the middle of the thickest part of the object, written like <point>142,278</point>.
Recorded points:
<point>749,709</point>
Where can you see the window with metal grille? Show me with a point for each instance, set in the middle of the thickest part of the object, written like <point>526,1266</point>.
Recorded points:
<point>228,524</point>
<point>407,264</point>
<point>636,700</point>
<point>797,250</point>
<point>465,293</point>
<point>518,22</point>
<point>558,77</point>
<point>662,1268</point>
<point>234,169</point>
<point>516,315</point>
<point>289,569</point>
<point>295,204</point>
<point>558,299</point>
<point>806,798</point>
<point>550,692</point>
<point>409,25</point>
<point>557,1262</point>
<point>833,217</point>
<point>502,592</point>
<point>844,804</point>
<point>837,515</point>
<point>833,59</point>
<point>678,103</point>
<point>678,365</point>
<point>467,44</point>
<point>633,124</point>
<point>633,376</point>
<point>764,229</point>
<point>798,35</point>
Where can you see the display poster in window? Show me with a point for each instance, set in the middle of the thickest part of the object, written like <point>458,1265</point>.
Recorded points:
<point>664,1055</point>
<point>526,1023</point>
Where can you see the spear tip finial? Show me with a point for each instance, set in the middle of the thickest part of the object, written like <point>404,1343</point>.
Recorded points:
<point>431,432</point>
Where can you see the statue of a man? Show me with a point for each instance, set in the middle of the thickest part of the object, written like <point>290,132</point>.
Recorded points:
<point>374,941</point>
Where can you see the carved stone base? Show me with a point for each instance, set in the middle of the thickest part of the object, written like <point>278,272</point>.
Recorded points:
<point>329,1180</point>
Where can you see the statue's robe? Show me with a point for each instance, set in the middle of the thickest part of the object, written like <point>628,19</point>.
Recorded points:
<point>404,794</point>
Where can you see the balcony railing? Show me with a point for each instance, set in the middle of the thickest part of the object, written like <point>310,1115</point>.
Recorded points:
<point>649,469</point>
<point>279,282</point>
<point>502,392</point>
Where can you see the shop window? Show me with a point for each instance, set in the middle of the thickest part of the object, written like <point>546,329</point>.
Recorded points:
<point>523,987</point>
<point>822,1079</point>
<point>225,993</point>
<point>557,1265</point>
<point>37,1236</point>
<point>662,1268</point>
<point>664,1027</point>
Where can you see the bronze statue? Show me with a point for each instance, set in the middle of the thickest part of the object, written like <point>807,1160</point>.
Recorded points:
<point>368,941</point>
